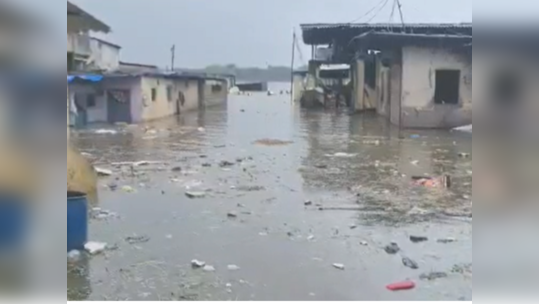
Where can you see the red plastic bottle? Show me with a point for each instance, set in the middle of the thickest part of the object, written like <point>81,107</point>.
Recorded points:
<point>407,285</point>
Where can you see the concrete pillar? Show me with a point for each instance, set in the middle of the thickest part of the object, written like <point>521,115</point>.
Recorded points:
<point>359,85</point>
<point>298,86</point>
<point>379,85</point>
<point>314,68</point>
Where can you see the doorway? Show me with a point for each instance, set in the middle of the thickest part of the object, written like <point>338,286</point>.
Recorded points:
<point>180,102</point>
<point>447,87</point>
<point>119,106</point>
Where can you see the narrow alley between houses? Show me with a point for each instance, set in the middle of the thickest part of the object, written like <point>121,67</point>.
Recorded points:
<point>259,200</point>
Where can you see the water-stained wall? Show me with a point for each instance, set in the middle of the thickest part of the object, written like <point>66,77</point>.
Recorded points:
<point>413,87</point>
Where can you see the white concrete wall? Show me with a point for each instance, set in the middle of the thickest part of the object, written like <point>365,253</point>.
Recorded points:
<point>105,56</point>
<point>419,67</point>
<point>97,113</point>
<point>79,44</point>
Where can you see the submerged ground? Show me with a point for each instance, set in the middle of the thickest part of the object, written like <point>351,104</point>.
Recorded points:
<point>271,218</point>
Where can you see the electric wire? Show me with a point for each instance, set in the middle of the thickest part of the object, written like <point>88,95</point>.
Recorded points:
<point>369,11</point>
<point>378,12</point>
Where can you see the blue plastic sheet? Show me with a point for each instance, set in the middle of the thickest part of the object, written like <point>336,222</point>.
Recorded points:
<point>91,78</point>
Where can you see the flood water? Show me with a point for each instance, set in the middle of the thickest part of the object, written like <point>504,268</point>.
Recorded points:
<point>336,191</point>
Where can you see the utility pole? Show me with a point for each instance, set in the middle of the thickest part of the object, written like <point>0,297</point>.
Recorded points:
<point>292,65</point>
<point>172,57</point>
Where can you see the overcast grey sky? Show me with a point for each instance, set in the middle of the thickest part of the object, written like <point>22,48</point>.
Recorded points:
<point>250,32</point>
<point>245,32</point>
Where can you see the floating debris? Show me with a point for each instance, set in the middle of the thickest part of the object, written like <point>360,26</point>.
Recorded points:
<point>128,189</point>
<point>233,267</point>
<point>208,268</point>
<point>100,214</point>
<point>198,264</point>
<point>339,266</point>
<point>195,195</point>
<point>433,276</point>
<point>133,240</point>
<point>73,256</point>
<point>105,132</point>
<point>226,164</point>
<point>393,248</point>
<point>95,248</point>
<point>418,239</point>
<point>272,142</point>
<point>410,263</point>
<point>447,241</point>
<point>407,285</point>
<point>103,172</point>
<point>342,155</point>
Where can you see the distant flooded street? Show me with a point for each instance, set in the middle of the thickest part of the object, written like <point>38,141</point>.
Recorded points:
<point>263,201</point>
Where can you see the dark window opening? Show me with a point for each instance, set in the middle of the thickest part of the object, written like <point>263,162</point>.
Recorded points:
<point>370,73</point>
<point>216,88</point>
<point>154,94</point>
<point>447,87</point>
<point>181,98</point>
<point>505,88</point>
<point>90,101</point>
<point>169,94</point>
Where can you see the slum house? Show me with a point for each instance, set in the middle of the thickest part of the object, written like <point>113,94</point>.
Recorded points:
<point>144,96</point>
<point>430,78</point>
<point>79,24</point>
<point>325,85</point>
<point>395,69</point>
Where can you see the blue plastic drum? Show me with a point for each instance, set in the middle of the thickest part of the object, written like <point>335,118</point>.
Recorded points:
<point>13,222</point>
<point>77,221</point>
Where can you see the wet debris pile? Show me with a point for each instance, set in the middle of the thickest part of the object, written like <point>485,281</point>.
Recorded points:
<point>272,142</point>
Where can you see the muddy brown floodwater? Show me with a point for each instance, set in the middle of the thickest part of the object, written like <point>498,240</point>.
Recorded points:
<point>306,219</point>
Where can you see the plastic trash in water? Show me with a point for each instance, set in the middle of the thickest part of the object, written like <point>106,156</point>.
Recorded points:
<point>406,285</point>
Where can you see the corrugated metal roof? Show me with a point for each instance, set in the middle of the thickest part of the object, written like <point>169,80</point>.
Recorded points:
<point>314,26</point>
<point>163,74</point>
<point>327,33</point>
<point>374,39</point>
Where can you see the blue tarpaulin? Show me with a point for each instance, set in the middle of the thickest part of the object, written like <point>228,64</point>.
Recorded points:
<point>92,78</point>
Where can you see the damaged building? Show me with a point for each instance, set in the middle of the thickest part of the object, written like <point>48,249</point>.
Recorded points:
<point>418,76</point>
